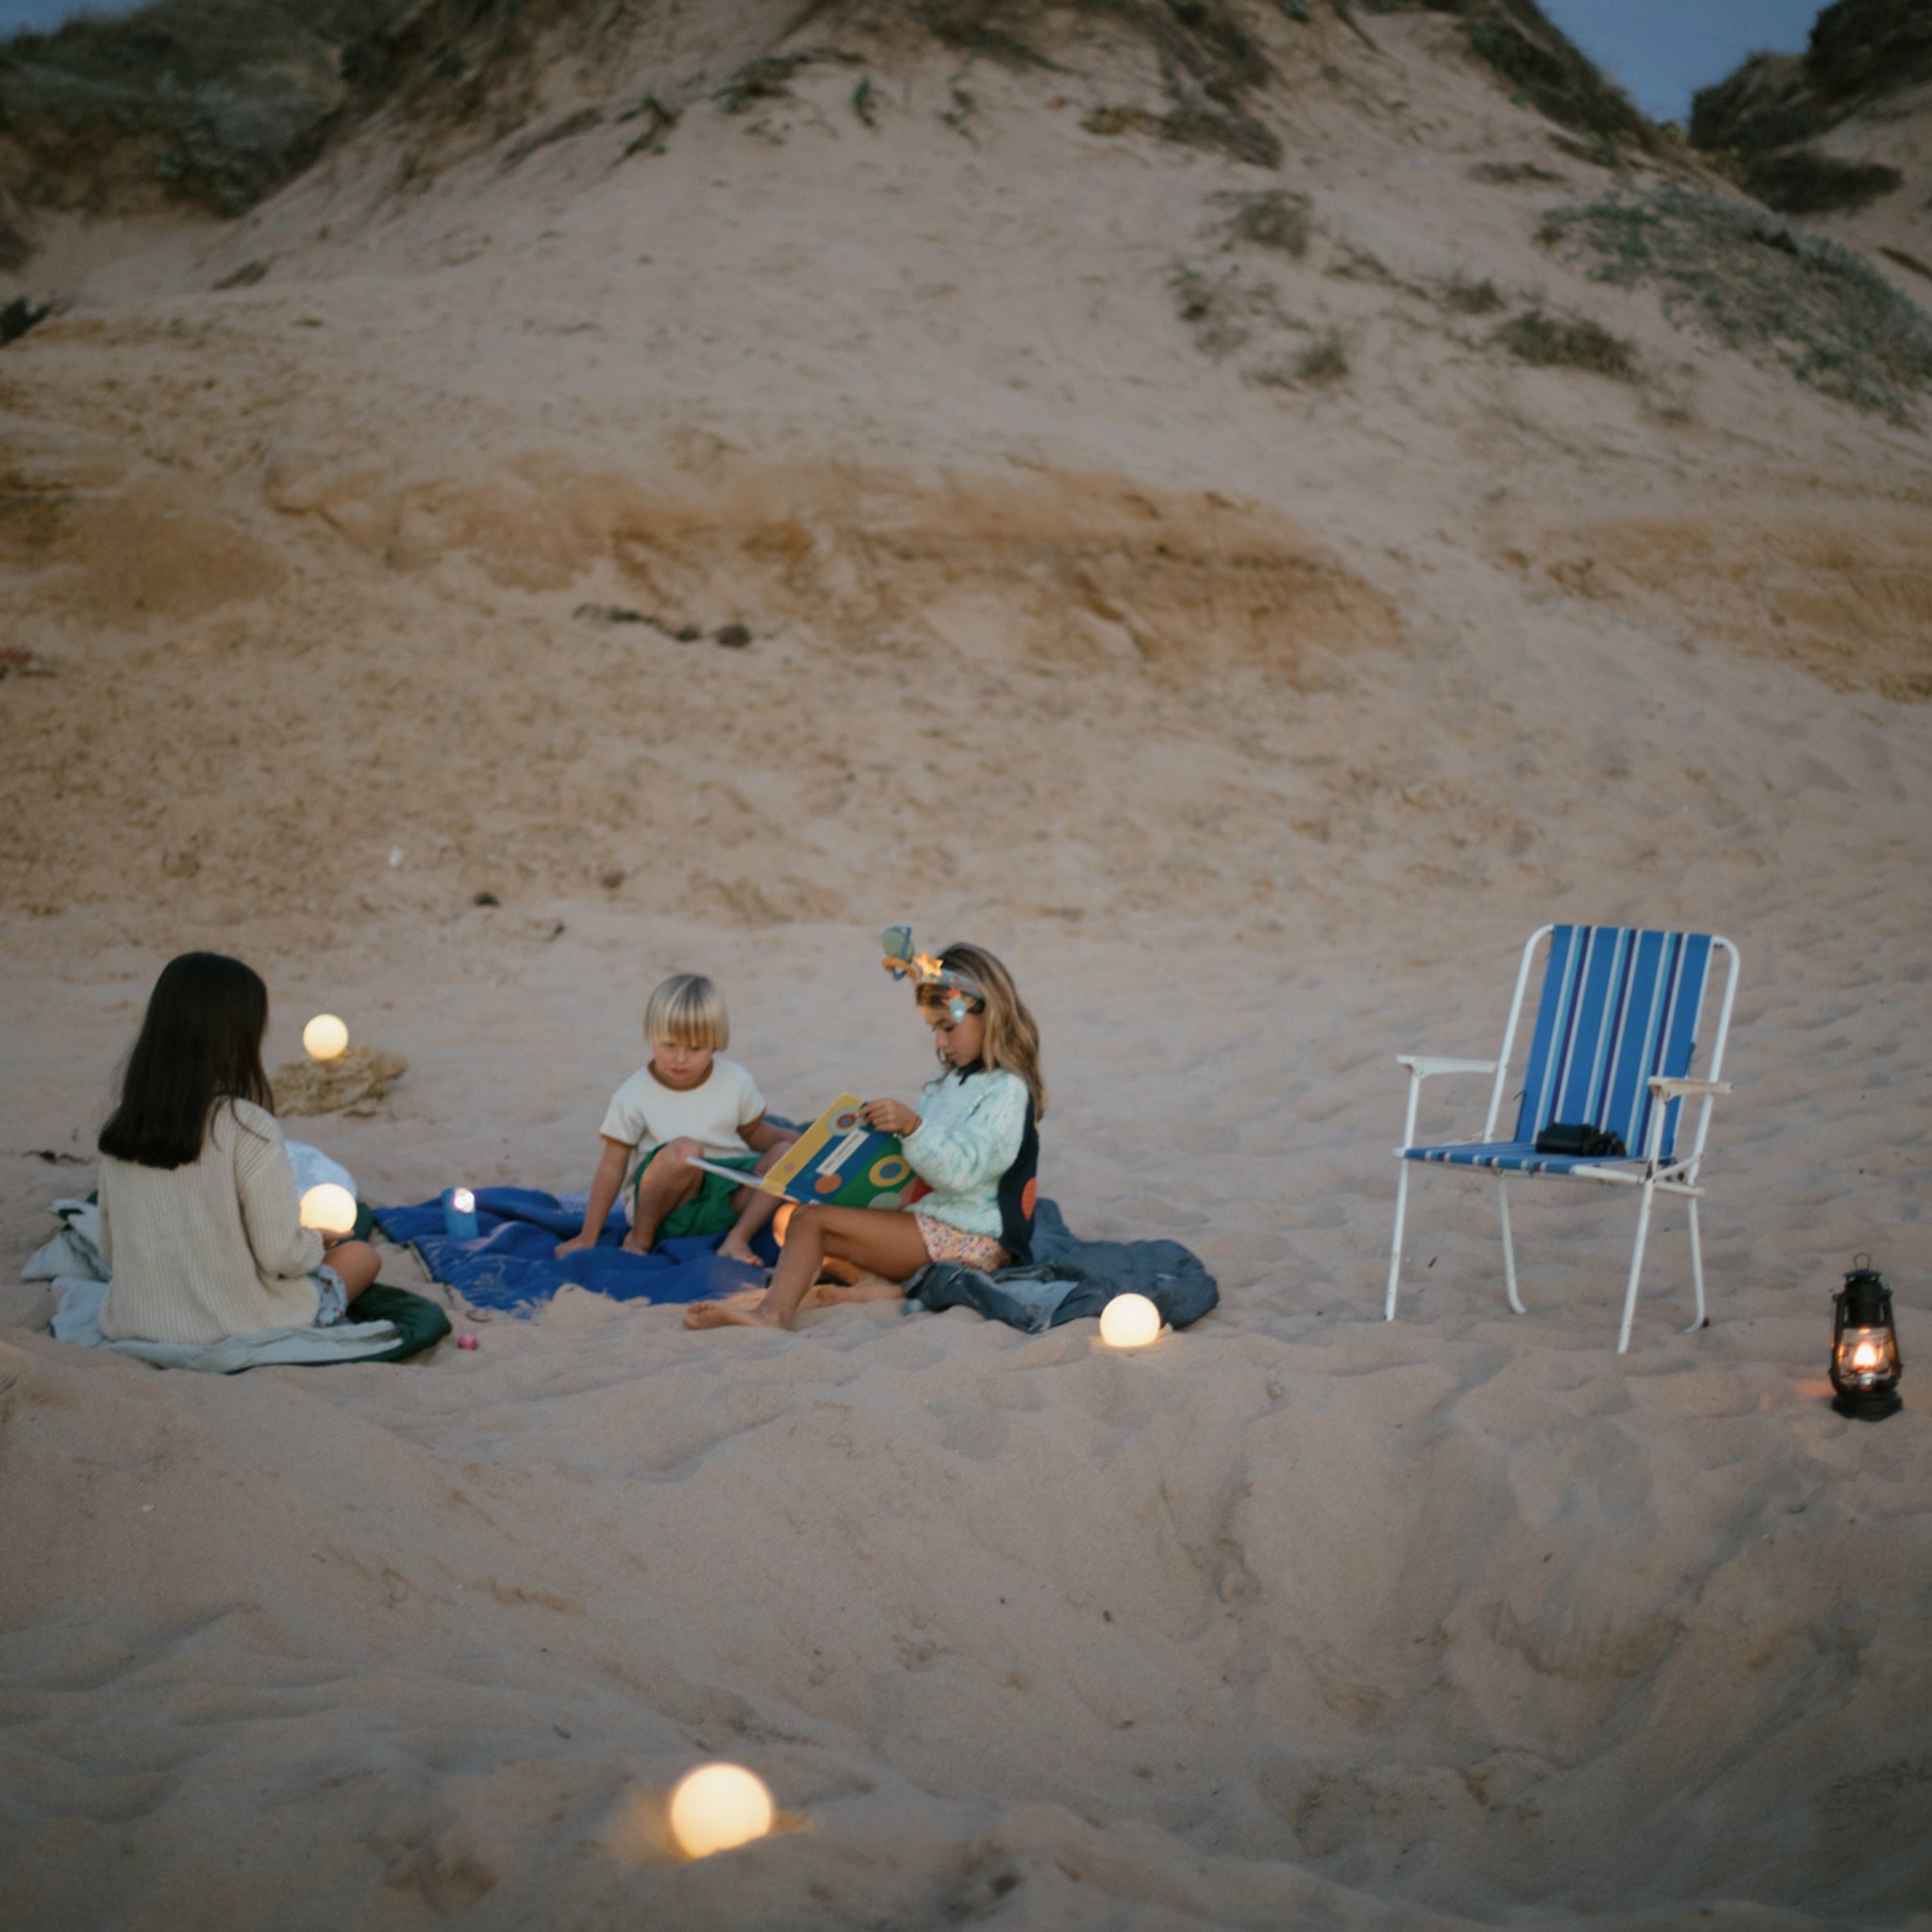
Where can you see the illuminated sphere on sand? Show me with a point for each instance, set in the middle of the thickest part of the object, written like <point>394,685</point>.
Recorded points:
<point>1129,1321</point>
<point>719,1806</point>
<point>328,1209</point>
<point>324,1037</point>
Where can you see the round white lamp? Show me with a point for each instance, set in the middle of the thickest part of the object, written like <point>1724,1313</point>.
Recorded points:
<point>330,1209</point>
<point>717,1807</point>
<point>1129,1321</point>
<point>326,1037</point>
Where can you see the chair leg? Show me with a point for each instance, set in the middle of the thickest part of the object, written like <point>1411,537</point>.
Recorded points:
<point>1395,1251</point>
<point>1696,1269</point>
<point>1636,1267</point>
<point>1508,1249</point>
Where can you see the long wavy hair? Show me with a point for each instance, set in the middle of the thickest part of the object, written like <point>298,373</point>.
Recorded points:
<point>200,1044</point>
<point>1012,1040</point>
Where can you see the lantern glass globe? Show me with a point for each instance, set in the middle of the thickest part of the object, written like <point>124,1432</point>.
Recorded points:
<point>1129,1321</point>
<point>326,1037</point>
<point>717,1807</point>
<point>330,1209</point>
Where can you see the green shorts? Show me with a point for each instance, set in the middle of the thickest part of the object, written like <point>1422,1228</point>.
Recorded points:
<point>707,1212</point>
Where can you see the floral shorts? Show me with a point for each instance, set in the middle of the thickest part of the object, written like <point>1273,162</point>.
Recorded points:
<point>944,1242</point>
<point>332,1298</point>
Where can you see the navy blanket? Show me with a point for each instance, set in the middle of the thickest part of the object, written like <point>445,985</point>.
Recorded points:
<point>510,1264</point>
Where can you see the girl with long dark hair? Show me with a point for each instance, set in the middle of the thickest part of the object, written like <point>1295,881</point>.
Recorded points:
<point>200,1224</point>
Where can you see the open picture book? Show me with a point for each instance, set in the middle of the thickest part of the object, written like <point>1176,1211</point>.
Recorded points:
<point>837,1162</point>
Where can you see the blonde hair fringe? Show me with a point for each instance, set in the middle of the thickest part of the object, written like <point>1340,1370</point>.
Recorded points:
<point>688,1009</point>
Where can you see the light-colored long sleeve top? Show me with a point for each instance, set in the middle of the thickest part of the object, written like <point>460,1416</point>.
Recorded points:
<point>212,1249</point>
<point>969,1133</point>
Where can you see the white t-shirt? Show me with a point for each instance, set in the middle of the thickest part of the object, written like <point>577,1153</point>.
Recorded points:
<point>644,1113</point>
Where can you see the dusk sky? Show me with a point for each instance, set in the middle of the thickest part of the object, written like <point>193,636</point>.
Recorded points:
<point>1659,50</point>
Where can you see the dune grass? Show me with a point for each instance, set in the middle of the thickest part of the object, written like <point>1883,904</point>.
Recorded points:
<point>1755,284</point>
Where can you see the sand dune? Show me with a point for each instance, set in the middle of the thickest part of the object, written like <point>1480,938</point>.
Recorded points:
<point>1255,717</point>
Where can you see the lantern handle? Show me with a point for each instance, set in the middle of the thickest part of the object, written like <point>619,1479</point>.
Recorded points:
<point>1861,1262</point>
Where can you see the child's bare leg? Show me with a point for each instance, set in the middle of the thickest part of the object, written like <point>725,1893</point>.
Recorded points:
<point>882,1239</point>
<point>357,1263</point>
<point>753,1208</point>
<point>868,1288</point>
<point>668,1182</point>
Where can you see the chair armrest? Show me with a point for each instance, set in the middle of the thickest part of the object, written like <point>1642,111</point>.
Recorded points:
<point>1676,1089</point>
<point>1422,1065</point>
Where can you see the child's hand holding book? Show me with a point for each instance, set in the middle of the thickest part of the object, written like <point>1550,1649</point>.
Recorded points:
<point>890,1117</point>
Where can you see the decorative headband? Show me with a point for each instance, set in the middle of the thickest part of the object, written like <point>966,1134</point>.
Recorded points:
<point>902,962</point>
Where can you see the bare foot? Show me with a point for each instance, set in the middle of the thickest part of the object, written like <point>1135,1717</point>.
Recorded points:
<point>735,1248</point>
<point>728,1315</point>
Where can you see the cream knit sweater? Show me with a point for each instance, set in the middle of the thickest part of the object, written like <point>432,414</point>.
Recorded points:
<point>212,1249</point>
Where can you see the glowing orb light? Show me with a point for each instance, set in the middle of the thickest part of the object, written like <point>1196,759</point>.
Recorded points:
<point>463,1200</point>
<point>1129,1321</point>
<point>330,1209</point>
<point>719,1806</point>
<point>326,1037</point>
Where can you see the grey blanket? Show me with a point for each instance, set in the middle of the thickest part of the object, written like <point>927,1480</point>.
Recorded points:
<point>1068,1278</point>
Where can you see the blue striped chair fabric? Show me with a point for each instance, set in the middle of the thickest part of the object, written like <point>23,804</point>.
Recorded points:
<point>1618,1007</point>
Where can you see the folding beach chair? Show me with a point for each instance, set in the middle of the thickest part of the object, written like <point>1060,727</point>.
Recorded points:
<point>1611,1048</point>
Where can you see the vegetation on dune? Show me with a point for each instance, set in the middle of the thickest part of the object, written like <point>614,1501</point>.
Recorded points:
<point>209,102</point>
<point>1270,218</point>
<point>1801,181</point>
<point>1558,342</point>
<point>1760,119</point>
<point>1757,284</point>
<point>1209,62</point>
<point>1541,64</point>
<point>217,103</point>
<point>1467,297</point>
<point>1325,360</point>
<point>1859,50</point>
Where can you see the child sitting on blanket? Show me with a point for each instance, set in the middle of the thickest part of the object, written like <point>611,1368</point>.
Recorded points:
<point>200,1224</point>
<point>974,1141</point>
<point>685,1103</point>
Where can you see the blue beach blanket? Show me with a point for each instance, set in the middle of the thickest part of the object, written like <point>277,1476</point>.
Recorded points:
<point>510,1265</point>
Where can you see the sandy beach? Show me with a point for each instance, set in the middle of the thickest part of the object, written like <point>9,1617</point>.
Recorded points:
<point>1254,712</point>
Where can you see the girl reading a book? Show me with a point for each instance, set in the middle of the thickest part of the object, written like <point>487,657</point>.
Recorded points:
<point>973,1139</point>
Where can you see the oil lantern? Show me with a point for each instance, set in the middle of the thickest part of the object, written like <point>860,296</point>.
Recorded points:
<point>1865,1365</point>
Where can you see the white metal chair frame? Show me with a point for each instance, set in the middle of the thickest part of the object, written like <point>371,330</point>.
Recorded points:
<point>1653,1172</point>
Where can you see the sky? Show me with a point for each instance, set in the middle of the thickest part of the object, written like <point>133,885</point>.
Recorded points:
<point>1660,51</point>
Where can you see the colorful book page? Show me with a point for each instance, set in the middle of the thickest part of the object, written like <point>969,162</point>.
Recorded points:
<point>840,1162</point>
